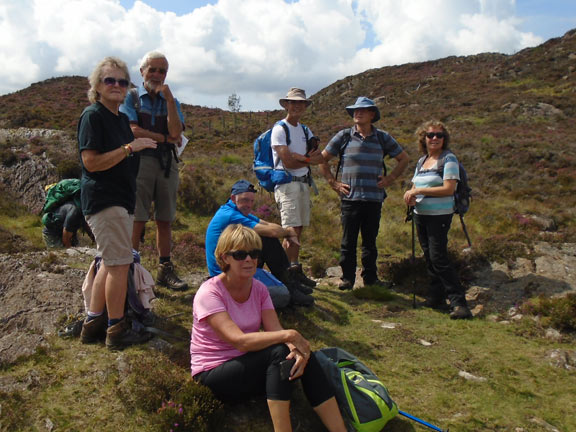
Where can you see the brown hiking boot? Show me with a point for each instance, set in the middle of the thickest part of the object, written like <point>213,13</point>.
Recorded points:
<point>298,275</point>
<point>122,335</point>
<point>94,331</point>
<point>168,278</point>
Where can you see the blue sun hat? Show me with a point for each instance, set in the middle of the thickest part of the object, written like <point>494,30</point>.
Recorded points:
<point>364,102</point>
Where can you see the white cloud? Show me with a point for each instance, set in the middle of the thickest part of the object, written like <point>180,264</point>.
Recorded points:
<point>256,48</point>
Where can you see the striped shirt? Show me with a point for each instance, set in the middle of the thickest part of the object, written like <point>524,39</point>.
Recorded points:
<point>362,162</point>
<point>425,178</point>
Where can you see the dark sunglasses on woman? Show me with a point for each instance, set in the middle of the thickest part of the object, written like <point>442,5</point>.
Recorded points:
<point>240,255</point>
<point>438,135</point>
<point>109,81</point>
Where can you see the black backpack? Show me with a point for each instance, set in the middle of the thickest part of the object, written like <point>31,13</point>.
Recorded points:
<point>463,192</point>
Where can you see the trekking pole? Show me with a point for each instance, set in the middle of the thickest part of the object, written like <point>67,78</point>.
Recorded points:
<point>410,217</point>
<point>422,422</point>
<point>465,230</point>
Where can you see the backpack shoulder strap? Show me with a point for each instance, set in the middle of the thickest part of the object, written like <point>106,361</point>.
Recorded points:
<point>286,130</point>
<point>420,163</point>
<point>346,138</point>
<point>135,98</point>
<point>306,131</point>
<point>380,136</point>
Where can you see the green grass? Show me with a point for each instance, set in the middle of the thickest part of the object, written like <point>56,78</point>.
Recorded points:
<point>76,385</point>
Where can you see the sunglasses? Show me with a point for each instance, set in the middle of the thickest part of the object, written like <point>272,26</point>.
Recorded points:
<point>109,81</point>
<point>240,255</point>
<point>161,71</point>
<point>438,135</point>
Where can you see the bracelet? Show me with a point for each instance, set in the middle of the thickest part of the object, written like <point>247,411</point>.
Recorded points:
<point>307,160</point>
<point>126,151</point>
<point>130,148</point>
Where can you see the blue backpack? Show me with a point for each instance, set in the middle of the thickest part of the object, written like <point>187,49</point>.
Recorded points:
<point>264,168</point>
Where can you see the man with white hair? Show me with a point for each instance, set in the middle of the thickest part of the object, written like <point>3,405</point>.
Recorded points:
<point>155,113</point>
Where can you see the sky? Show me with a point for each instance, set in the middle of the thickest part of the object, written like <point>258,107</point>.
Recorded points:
<point>258,49</point>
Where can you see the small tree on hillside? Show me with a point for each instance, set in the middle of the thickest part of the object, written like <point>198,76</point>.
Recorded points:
<point>234,103</point>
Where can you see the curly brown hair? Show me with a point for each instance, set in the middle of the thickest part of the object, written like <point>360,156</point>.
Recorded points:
<point>421,134</point>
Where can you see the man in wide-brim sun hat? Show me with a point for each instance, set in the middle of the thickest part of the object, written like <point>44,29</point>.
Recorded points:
<point>292,152</point>
<point>362,149</point>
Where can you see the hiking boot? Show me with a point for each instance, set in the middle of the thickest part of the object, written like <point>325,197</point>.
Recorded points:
<point>378,283</point>
<point>94,331</point>
<point>298,275</point>
<point>436,303</point>
<point>298,298</point>
<point>461,312</point>
<point>345,285</point>
<point>122,335</point>
<point>168,278</point>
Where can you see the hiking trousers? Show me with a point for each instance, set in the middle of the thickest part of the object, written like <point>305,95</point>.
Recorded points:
<point>433,237</point>
<point>359,217</point>
<point>274,256</point>
<point>257,373</point>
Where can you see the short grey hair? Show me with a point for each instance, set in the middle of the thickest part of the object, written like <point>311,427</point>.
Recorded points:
<point>151,55</point>
<point>96,75</point>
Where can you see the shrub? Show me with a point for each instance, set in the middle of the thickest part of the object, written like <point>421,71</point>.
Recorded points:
<point>558,312</point>
<point>190,250</point>
<point>197,192</point>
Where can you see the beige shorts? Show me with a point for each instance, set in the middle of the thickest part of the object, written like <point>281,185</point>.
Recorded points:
<point>152,186</point>
<point>112,228</point>
<point>293,200</point>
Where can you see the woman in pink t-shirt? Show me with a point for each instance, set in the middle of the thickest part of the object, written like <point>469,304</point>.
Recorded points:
<point>236,360</point>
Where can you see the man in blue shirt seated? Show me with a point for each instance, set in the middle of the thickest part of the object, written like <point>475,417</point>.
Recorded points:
<point>238,210</point>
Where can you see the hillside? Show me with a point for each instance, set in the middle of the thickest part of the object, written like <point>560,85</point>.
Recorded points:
<point>509,369</point>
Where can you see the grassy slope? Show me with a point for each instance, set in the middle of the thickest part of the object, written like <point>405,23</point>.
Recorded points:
<point>519,162</point>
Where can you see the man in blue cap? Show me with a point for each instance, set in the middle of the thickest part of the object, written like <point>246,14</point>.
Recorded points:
<point>362,149</point>
<point>238,210</point>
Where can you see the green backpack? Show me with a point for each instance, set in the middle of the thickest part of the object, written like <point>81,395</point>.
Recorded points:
<point>59,193</point>
<point>363,399</point>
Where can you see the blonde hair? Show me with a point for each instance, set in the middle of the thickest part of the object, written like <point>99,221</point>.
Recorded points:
<point>235,237</point>
<point>96,76</point>
<point>151,55</point>
<point>421,134</point>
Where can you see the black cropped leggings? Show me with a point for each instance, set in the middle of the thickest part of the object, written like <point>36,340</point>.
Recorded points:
<point>257,373</point>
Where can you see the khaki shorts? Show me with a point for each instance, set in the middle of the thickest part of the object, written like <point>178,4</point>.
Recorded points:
<point>152,186</point>
<point>293,200</point>
<point>112,228</point>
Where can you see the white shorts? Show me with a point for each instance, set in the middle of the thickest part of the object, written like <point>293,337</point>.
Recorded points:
<point>293,200</point>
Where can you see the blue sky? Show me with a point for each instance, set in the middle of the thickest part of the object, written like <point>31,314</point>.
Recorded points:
<point>258,49</point>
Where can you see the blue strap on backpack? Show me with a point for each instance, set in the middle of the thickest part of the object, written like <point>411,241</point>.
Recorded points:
<point>264,168</point>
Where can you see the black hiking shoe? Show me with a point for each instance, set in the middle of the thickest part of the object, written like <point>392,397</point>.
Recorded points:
<point>168,278</point>
<point>378,283</point>
<point>298,298</point>
<point>298,275</point>
<point>437,304</point>
<point>345,285</point>
<point>461,312</point>
<point>94,331</point>
<point>122,335</point>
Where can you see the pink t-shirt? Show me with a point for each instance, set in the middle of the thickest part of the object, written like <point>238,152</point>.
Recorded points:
<point>207,350</point>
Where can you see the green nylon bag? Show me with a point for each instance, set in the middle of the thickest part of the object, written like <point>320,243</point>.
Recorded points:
<point>363,399</point>
<point>56,195</point>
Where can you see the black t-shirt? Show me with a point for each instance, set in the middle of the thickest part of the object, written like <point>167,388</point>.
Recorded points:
<point>66,216</point>
<point>100,129</point>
